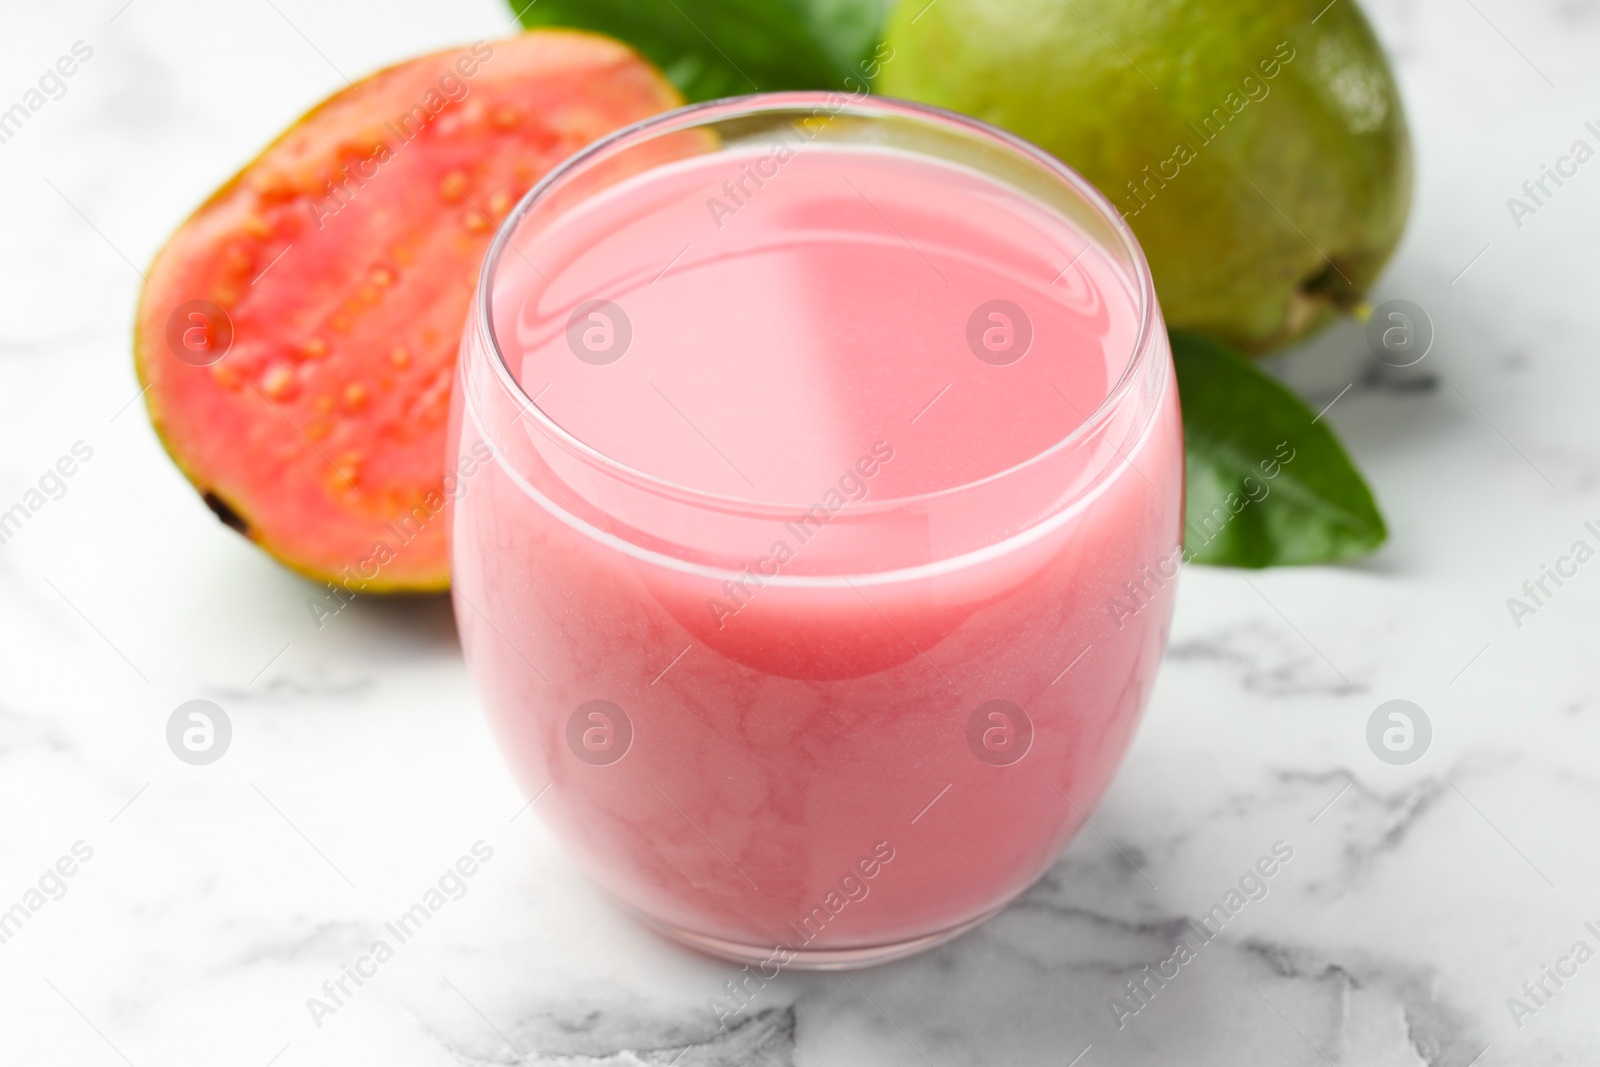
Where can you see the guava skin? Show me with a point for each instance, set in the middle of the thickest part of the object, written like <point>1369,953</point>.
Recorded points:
<point>1279,163</point>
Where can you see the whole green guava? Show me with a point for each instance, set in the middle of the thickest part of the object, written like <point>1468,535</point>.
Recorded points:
<point>1257,147</point>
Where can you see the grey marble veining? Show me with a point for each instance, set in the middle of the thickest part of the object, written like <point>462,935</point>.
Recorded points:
<point>217,900</point>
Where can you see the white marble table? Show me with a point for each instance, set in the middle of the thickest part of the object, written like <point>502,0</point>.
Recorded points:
<point>217,899</point>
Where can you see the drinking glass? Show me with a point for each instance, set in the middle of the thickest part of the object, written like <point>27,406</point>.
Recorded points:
<point>808,660</point>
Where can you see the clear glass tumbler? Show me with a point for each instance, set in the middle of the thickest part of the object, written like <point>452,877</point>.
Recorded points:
<point>817,511</point>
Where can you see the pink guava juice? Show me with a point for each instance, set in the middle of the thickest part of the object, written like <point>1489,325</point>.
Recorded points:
<point>822,476</point>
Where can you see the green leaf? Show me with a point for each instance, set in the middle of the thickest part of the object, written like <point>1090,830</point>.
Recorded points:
<point>715,48</point>
<point>1267,486</point>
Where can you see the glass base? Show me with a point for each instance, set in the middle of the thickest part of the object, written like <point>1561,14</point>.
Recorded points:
<point>810,959</point>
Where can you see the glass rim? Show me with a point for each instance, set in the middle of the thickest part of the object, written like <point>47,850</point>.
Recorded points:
<point>864,106</point>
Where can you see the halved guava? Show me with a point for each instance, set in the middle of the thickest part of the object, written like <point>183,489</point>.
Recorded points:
<point>297,335</point>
